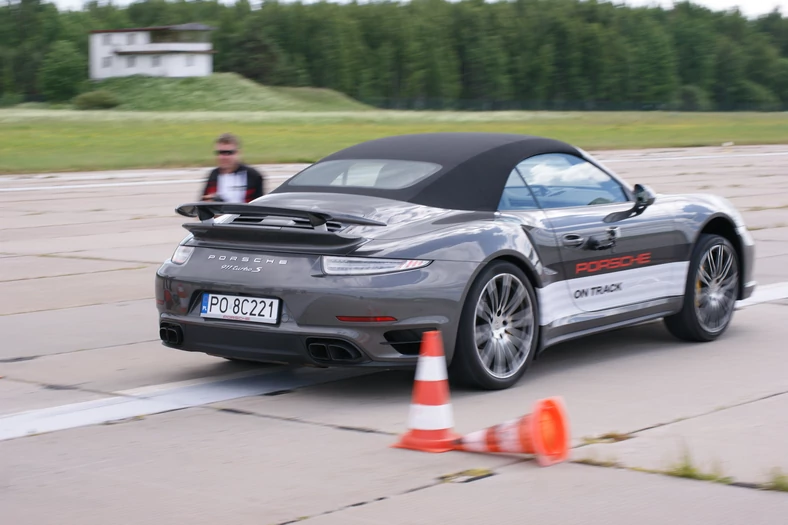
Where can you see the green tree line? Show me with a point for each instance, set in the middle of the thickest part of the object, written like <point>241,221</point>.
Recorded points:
<point>468,54</point>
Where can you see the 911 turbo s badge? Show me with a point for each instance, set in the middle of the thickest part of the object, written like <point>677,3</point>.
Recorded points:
<point>235,268</point>
<point>597,290</point>
<point>246,259</point>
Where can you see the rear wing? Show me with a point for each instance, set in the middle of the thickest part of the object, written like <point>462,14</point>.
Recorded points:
<point>277,228</point>
<point>208,210</point>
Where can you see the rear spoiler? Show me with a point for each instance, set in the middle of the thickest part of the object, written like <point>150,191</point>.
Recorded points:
<point>208,210</point>
<point>246,235</point>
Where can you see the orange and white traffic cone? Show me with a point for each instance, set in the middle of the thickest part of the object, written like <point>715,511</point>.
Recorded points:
<point>544,433</point>
<point>431,419</point>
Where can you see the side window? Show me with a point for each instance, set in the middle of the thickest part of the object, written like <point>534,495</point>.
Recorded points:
<point>562,181</point>
<point>516,195</point>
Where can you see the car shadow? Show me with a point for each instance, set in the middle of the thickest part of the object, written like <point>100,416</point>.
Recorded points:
<point>571,356</point>
<point>647,338</point>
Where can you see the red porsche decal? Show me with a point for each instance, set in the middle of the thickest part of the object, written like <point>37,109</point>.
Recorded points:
<point>613,263</point>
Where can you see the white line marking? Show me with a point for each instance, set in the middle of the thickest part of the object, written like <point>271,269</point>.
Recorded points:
<point>696,157</point>
<point>274,170</point>
<point>163,400</point>
<point>150,390</point>
<point>100,175</point>
<point>117,184</point>
<point>765,294</point>
<point>106,185</point>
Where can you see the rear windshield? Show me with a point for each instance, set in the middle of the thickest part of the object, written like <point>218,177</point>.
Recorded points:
<point>365,173</point>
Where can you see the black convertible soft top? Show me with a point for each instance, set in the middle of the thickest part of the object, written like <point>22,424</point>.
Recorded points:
<point>475,166</point>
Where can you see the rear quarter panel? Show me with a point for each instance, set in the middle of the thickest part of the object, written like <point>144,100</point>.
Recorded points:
<point>480,240</point>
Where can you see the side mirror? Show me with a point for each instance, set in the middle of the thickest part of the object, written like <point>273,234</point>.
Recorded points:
<point>644,196</point>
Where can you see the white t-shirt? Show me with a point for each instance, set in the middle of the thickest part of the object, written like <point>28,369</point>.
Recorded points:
<point>232,186</point>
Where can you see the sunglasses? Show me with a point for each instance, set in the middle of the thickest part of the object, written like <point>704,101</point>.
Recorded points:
<point>225,152</point>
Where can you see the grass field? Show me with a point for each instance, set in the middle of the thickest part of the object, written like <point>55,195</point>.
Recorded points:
<point>37,141</point>
<point>220,92</point>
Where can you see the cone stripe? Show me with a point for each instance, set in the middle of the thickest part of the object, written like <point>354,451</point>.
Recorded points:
<point>431,368</point>
<point>475,441</point>
<point>424,417</point>
<point>431,393</point>
<point>509,437</point>
<point>432,345</point>
<point>492,439</point>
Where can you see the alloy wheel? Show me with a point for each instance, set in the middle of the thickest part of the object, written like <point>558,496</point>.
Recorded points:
<point>504,327</point>
<point>716,285</point>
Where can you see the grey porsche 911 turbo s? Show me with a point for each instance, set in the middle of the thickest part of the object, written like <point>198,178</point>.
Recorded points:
<point>507,244</point>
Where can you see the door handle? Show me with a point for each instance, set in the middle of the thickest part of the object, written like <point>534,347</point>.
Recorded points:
<point>595,243</point>
<point>572,239</point>
<point>603,243</point>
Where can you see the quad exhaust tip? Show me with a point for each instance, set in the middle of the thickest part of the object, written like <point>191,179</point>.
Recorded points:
<point>333,351</point>
<point>172,334</point>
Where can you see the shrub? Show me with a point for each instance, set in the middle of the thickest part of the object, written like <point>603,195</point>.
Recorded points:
<point>10,99</point>
<point>691,98</point>
<point>100,99</point>
<point>759,98</point>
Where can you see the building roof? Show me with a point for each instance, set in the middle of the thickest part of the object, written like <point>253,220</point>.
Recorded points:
<point>474,166</point>
<point>168,52</point>
<point>177,27</point>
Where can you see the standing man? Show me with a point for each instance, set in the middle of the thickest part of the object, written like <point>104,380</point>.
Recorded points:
<point>232,181</point>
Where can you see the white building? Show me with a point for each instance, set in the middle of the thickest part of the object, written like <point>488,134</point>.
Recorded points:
<point>166,51</point>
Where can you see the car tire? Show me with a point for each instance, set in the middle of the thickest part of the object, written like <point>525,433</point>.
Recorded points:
<point>710,292</point>
<point>498,336</point>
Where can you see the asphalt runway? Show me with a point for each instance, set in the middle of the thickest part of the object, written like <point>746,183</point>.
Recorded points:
<point>101,424</point>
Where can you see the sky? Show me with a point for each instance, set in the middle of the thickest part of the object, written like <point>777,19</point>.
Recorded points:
<point>750,8</point>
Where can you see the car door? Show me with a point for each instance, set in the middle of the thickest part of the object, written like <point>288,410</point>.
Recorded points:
<point>518,200</point>
<point>605,263</point>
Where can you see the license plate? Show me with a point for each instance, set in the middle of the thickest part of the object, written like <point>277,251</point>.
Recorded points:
<point>236,308</point>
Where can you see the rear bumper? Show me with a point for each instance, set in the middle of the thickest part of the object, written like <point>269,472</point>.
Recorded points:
<point>308,331</point>
<point>318,348</point>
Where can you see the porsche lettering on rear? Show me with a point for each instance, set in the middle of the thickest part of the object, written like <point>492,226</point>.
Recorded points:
<point>265,260</point>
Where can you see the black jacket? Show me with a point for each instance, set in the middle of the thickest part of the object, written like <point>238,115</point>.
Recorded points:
<point>254,182</point>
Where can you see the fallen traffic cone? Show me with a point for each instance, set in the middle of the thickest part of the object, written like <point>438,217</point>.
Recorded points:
<point>544,433</point>
<point>431,418</point>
